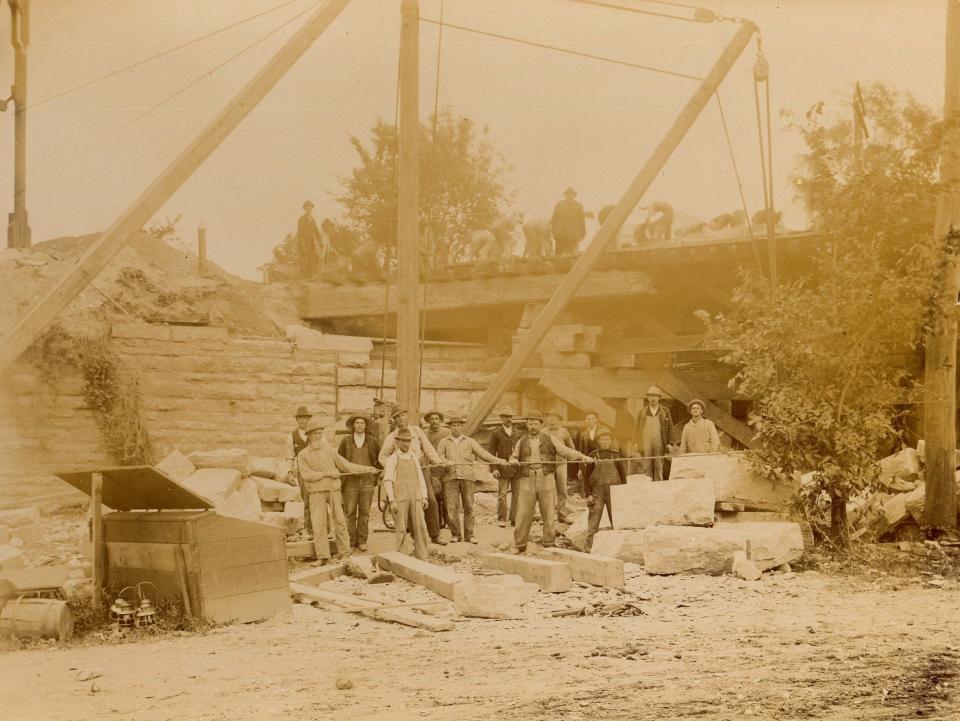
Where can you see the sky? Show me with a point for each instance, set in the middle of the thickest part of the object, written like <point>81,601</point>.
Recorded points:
<point>557,120</point>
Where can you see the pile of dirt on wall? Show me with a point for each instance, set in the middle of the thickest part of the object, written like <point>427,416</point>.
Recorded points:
<point>149,281</point>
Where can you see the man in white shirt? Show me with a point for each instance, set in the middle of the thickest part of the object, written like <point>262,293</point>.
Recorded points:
<point>406,491</point>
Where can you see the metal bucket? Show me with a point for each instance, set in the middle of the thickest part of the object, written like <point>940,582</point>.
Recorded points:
<point>37,618</point>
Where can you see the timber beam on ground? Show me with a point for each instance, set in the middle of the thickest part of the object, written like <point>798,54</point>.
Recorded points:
<point>322,302</point>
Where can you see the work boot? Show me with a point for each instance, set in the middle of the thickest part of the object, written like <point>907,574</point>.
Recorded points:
<point>362,548</point>
<point>502,524</point>
<point>439,541</point>
<point>473,540</point>
<point>520,549</point>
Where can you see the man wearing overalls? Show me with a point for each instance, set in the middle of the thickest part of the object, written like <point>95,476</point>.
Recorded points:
<point>406,491</point>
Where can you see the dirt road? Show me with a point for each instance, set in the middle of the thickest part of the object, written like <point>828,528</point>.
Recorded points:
<point>803,646</point>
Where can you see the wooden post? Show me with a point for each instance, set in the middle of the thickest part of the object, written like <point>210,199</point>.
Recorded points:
<point>96,536</point>
<point>18,229</point>
<point>608,230</point>
<point>408,221</point>
<point>202,249</point>
<point>96,257</point>
<point>940,348</point>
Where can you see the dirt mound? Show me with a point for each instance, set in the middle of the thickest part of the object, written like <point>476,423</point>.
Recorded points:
<point>148,280</point>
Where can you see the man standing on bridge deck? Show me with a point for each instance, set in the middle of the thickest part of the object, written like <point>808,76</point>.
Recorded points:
<point>421,446</point>
<point>568,223</point>
<point>311,244</point>
<point>536,455</point>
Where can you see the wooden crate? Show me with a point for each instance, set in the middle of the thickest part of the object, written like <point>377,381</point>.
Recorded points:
<point>236,570</point>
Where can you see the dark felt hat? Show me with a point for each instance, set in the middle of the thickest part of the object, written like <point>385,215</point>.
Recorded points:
<point>302,412</point>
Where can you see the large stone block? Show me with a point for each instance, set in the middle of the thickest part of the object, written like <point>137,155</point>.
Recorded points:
<point>429,575</point>
<point>492,596</point>
<point>735,480</point>
<point>28,534</point>
<point>222,458</point>
<point>690,549</point>
<point>10,557</point>
<point>589,567</point>
<point>212,482</point>
<point>744,568</point>
<point>624,545</point>
<point>905,464</point>
<point>683,502</point>
<point>550,576</point>
<point>274,491</point>
<point>286,523</point>
<point>576,533</point>
<point>770,544</point>
<point>309,339</point>
<point>243,503</point>
<point>177,466</point>
<point>263,467</point>
<point>15,517</point>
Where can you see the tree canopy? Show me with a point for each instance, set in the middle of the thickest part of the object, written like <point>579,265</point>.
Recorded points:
<point>828,357</point>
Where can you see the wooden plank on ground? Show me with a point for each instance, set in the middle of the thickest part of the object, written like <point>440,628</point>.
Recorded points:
<point>343,602</point>
<point>321,574</point>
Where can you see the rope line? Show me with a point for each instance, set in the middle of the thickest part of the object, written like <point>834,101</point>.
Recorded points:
<point>170,97</point>
<point>736,173</point>
<point>611,6</point>
<point>576,53</point>
<point>161,54</point>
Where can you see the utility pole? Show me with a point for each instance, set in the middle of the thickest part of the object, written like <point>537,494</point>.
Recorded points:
<point>202,249</point>
<point>408,220</point>
<point>940,348</point>
<point>18,230</point>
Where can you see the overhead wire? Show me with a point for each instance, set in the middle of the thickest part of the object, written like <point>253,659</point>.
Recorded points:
<point>577,53</point>
<point>219,66</point>
<point>640,11</point>
<point>163,53</point>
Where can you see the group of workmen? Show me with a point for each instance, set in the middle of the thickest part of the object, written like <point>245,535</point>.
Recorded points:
<point>428,474</point>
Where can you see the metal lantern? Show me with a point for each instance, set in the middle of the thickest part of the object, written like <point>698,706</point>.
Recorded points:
<point>122,612</point>
<point>147,613</point>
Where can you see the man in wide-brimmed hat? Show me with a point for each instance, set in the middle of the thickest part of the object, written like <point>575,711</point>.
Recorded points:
<point>536,456</point>
<point>607,469</point>
<point>461,452</point>
<point>406,490</point>
<point>501,444</point>
<point>359,446</point>
<point>312,245</point>
<point>699,434</point>
<point>436,432</point>
<point>321,468</point>
<point>421,446</point>
<point>568,223</point>
<point>296,442</point>
<point>654,434</point>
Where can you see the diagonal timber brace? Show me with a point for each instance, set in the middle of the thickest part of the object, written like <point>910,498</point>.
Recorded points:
<point>591,255</point>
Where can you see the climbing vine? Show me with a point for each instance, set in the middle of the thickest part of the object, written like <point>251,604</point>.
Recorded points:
<point>110,393</point>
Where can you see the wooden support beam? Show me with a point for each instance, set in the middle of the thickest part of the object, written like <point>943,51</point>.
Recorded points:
<point>673,386</point>
<point>96,257</point>
<point>408,221</point>
<point>575,395</point>
<point>96,537</point>
<point>626,382</point>
<point>608,231</point>
<point>660,344</point>
<point>367,301</point>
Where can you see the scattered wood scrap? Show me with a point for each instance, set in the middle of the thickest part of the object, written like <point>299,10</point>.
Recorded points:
<point>623,608</point>
<point>404,614</point>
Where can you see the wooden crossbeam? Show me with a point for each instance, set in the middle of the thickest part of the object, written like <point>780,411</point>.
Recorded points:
<point>99,254</point>
<point>595,249</point>
<point>574,394</point>
<point>660,344</point>
<point>673,386</point>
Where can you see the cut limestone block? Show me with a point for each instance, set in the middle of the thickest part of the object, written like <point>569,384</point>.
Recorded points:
<point>28,534</point>
<point>682,502</point>
<point>243,503</point>
<point>576,533</point>
<point>212,482</point>
<point>589,567</point>
<point>310,339</point>
<point>624,545</point>
<point>177,466</point>
<point>639,478</point>
<point>896,509</point>
<point>735,480</point>
<point>14,517</point>
<point>316,576</point>
<point>10,557</point>
<point>492,596</point>
<point>294,508</point>
<point>235,458</point>
<point>770,544</point>
<point>550,576</point>
<point>4,535</point>
<point>301,549</point>
<point>690,549</point>
<point>281,469</point>
<point>274,491</point>
<point>263,467</point>
<point>744,568</point>
<point>905,465</point>
<point>288,524</point>
<point>429,575</point>
<point>751,517</point>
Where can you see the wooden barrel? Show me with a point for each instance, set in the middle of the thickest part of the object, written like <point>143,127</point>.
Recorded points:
<point>37,618</point>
